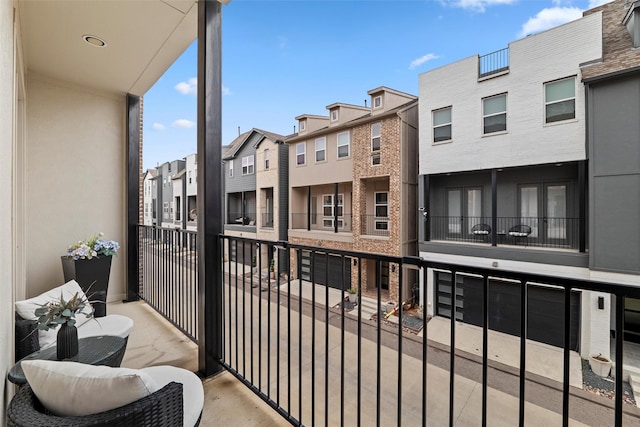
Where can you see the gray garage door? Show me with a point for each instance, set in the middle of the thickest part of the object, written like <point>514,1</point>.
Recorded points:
<point>326,269</point>
<point>545,308</point>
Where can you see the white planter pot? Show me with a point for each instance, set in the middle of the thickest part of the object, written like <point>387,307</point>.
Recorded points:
<point>600,367</point>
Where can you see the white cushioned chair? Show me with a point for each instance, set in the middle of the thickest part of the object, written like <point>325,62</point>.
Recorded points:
<point>73,394</point>
<point>28,341</point>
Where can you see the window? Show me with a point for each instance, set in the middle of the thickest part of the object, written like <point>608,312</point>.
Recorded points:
<point>494,114</point>
<point>301,153</point>
<point>231,168</point>
<point>442,125</point>
<point>334,116</point>
<point>165,210</point>
<point>344,145</point>
<point>375,137</point>
<point>303,125</point>
<point>247,165</point>
<point>377,102</point>
<point>266,159</point>
<point>560,100</point>
<point>189,177</point>
<point>321,145</point>
<point>375,159</point>
<point>328,210</point>
<point>381,211</point>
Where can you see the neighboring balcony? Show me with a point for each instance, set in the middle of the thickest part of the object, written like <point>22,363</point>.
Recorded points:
<point>561,233</point>
<point>241,218</point>
<point>319,222</point>
<point>266,220</point>
<point>372,225</point>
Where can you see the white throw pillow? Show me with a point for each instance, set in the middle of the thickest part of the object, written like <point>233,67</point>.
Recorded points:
<point>77,389</point>
<point>27,308</point>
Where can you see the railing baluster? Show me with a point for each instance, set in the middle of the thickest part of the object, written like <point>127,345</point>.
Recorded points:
<point>452,339</point>
<point>523,349</point>
<point>485,345</point>
<point>565,356</point>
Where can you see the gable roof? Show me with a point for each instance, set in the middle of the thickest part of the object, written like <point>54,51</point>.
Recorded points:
<point>237,144</point>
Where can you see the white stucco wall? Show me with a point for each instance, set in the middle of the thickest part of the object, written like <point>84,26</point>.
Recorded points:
<point>75,173</point>
<point>7,150</point>
<point>534,60</point>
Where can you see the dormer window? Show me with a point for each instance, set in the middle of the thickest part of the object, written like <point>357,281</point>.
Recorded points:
<point>334,116</point>
<point>303,125</point>
<point>377,102</point>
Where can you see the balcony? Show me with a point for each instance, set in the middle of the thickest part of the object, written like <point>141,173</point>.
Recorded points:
<point>494,63</point>
<point>372,225</point>
<point>301,349</point>
<point>558,233</point>
<point>319,222</point>
<point>241,218</point>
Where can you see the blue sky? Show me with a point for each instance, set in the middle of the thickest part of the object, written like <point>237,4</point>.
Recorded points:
<point>283,58</point>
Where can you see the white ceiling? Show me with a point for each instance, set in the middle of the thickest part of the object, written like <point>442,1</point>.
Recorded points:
<point>144,37</point>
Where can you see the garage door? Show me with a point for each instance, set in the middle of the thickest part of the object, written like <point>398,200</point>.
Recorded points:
<point>326,269</point>
<point>545,308</point>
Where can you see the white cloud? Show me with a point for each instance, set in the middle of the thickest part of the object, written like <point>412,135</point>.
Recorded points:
<point>596,3</point>
<point>419,61</point>
<point>225,90</point>
<point>549,18</point>
<point>183,124</point>
<point>187,88</point>
<point>158,126</point>
<point>476,5</point>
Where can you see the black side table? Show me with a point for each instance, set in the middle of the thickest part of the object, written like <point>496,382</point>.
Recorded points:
<point>105,350</point>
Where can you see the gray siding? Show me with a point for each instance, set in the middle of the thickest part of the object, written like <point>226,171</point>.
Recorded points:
<point>614,173</point>
<point>283,199</point>
<point>238,182</point>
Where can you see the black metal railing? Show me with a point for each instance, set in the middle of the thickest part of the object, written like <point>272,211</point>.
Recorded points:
<point>493,63</point>
<point>522,231</point>
<point>169,275</point>
<point>320,222</point>
<point>267,220</point>
<point>372,225</point>
<point>239,218</point>
<point>318,362</point>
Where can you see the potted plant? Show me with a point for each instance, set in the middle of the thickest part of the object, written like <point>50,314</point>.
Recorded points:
<point>600,365</point>
<point>88,262</point>
<point>353,294</point>
<point>61,312</point>
<point>272,268</point>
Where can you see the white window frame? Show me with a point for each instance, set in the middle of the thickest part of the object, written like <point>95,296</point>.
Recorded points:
<point>486,116</point>
<point>442,125</point>
<point>248,165</point>
<point>303,125</point>
<point>378,221</point>
<point>301,153</point>
<point>231,168</point>
<point>346,143</point>
<point>322,142</point>
<point>557,101</point>
<point>328,203</point>
<point>266,159</point>
<point>377,101</point>
<point>334,115</point>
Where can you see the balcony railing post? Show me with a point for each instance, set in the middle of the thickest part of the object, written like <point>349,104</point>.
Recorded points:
<point>133,195</point>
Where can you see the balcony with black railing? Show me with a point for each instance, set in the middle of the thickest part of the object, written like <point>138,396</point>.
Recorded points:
<point>493,63</point>
<point>372,225</point>
<point>561,233</point>
<point>241,218</point>
<point>319,222</point>
<point>317,358</point>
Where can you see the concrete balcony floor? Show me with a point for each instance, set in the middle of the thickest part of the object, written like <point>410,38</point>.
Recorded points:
<point>154,341</point>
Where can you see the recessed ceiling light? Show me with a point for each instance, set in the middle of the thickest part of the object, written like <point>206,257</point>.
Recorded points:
<point>94,40</point>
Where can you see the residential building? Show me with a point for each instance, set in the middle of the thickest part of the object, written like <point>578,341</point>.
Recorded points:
<point>353,178</point>
<point>613,134</point>
<point>191,207</point>
<point>166,201</point>
<point>504,184</point>
<point>255,181</point>
<point>149,197</point>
